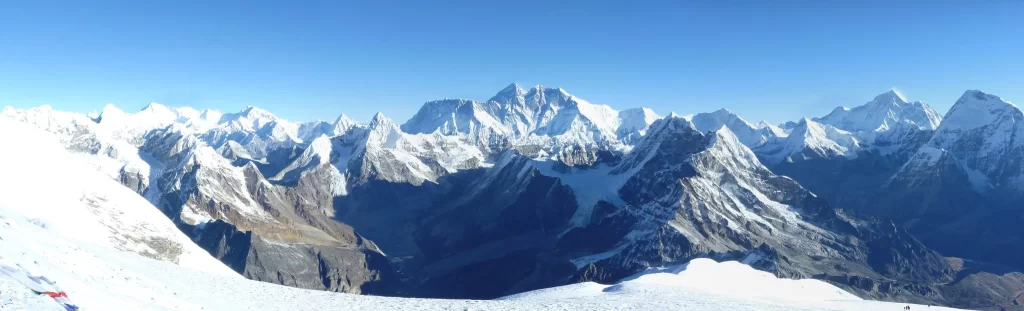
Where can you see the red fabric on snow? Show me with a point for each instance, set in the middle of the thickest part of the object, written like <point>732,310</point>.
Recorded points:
<point>55,295</point>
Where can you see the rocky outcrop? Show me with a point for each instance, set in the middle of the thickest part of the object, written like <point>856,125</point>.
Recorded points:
<point>349,270</point>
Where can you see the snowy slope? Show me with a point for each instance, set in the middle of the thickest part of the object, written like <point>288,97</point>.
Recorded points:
<point>453,116</point>
<point>95,278</point>
<point>56,190</point>
<point>886,111</point>
<point>810,140</point>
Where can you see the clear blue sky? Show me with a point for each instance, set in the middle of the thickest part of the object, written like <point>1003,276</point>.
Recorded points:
<point>308,60</point>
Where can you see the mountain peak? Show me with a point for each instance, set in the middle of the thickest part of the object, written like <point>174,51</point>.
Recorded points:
<point>547,91</point>
<point>379,120</point>
<point>979,97</point>
<point>513,88</point>
<point>976,109</point>
<point>672,122</point>
<point>343,123</point>
<point>893,96</point>
<point>110,112</point>
<point>344,119</point>
<point>723,111</point>
<point>886,111</point>
<point>509,93</point>
<point>110,108</point>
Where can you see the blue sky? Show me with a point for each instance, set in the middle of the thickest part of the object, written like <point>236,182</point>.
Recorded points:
<point>307,60</point>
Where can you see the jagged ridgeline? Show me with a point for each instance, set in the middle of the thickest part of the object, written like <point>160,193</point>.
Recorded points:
<point>537,187</point>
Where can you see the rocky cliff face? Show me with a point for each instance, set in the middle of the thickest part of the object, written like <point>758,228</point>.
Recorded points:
<point>961,191</point>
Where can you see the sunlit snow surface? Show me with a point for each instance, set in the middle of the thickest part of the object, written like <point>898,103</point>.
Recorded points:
<point>97,278</point>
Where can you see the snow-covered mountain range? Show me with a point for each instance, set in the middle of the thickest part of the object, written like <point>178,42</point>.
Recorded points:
<point>537,187</point>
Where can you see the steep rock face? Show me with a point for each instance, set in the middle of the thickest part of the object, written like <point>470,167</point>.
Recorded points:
<point>678,195</point>
<point>298,265</point>
<point>723,201</point>
<point>961,191</point>
<point>265,231</point>
<point>877,259</point>
<point>985,134</point>
<point>859,150</point>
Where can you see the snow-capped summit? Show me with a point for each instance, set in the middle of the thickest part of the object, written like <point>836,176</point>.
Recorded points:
<point>379,121</point>
<point>748,134</point>
<point>892,96</point>
<point>343,123</point>
<point>383,151</point>
<point>308,131</point>
<point>977,109</point>
<point>534,116</point>
<point>634,123</point>
<point>249,119</point>
<point>131,127</point>
<point>453,116</point>
<point>318,152</point>
<point>257,130</point>
<point>887,111</point>
<point>810,140</point>
<point>985,135</point>
<point>509,93</point>
<point>577,118</point>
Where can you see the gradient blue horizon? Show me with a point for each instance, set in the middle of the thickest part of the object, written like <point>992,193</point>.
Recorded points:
<point>307,60</point>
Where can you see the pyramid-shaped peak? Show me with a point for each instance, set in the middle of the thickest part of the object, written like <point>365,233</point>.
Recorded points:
<point>343,124</point>
<point>978,95</point>
<point>111,112</point>
<point>110,108</point>
<point>344,119</point>
<point>379,120</point>
<point>893,96</point>
<point>508,93</point>
<point>976,109</point>
<point>978,98</point>
<point>513,88</point>
<point>725,135</point>
<point>723,111</point>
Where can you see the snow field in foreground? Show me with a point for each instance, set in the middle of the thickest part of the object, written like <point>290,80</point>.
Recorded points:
<point>99,278</point>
